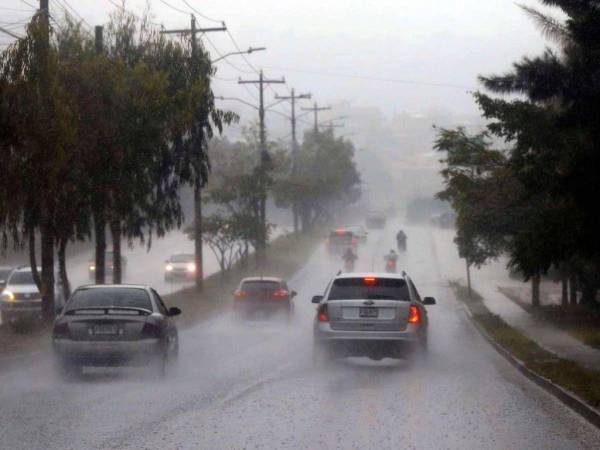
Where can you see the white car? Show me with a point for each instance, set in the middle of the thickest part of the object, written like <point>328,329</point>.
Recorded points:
<point>180,266</point>
<point>21,300</point>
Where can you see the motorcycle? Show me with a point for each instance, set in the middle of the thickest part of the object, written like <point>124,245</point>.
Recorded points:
<point>401,245</point>
<point>390,266</point>
<point>349,265</point>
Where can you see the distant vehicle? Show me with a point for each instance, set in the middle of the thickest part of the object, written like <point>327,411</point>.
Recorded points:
<point>21,300</point>
<point>359,232</point>
<point>401,241</point>
<point>4,274</point>
<point>376,220</point>
<point>376,315</point>
<point>109,267</point>
<point>115,325</point>
<point>444,220</point>
<point>263,295</point>
<point>180,266</point>
<point>340,240</point>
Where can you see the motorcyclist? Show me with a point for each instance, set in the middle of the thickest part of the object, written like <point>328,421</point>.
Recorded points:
<point>391,260</point>
<point>349,259</point>
<point>401,240</point>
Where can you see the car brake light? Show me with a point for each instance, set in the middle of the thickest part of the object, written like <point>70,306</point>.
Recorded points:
<point>340,232</point>
<point>369,280</point>
<point>61,330</point>
<point>280,293</point>
<point>414,315</point>
<point>151,330</point>
<point>322,315</point>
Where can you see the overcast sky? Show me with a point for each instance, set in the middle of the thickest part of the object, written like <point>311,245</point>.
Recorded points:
<point>319,45</point>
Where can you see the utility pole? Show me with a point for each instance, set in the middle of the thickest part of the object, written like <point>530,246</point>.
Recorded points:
<point>264,160</point>
<point>293,97</point>
<point>315,110</point>
<point>198,254</point>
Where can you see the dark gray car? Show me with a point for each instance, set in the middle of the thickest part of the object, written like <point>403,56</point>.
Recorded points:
<point>113,325</point>
<point>375,315</point>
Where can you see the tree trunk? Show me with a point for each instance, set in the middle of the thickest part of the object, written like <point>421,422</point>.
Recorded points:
<point>535,290</point>
<point>33,261</point>
<point>573,290</point>
<point>47,273</point>
<point>199,276</point>
<point>295,214</point>
<point>62,269</point>
<point>115,231</point>
<point>469,289</point>
<point>100,235</point>
<point>564,280</point>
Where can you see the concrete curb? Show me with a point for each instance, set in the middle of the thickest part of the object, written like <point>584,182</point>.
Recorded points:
<point>591,414</point>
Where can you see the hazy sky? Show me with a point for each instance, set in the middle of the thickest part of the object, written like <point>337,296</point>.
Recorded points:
<point>429,41</point>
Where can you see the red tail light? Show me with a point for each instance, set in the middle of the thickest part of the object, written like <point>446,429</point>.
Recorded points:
<point>239,293</point>
<point>61,330</point>
<point>151,330</point>
<point>280,293</point>
<point>322,315</point>
<point>369,281</point>
<point>414,315</point>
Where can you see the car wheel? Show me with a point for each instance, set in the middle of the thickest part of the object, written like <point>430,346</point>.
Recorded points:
<point>322,355</point>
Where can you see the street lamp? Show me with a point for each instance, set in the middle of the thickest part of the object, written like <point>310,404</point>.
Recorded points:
<point>244,52</point>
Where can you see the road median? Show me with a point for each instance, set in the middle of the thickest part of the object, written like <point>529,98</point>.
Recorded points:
<point>576,386</point>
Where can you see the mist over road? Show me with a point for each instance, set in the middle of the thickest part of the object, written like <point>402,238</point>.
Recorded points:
<point>253,385</point>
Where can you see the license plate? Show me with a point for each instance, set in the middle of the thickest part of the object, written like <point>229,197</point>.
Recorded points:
<point>368,312</point>
<point>105,330</point>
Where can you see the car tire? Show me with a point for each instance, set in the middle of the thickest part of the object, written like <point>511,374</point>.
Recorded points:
<point>322,355</point>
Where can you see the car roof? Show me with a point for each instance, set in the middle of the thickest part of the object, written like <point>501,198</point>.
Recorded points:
<point>346,275</point>
<point>113,286</point>
<point>275,279</point>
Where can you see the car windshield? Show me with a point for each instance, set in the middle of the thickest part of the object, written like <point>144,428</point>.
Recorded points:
<point>181,258</point>
<point>255,287</point>
<point>105,297</point>
<point>21,278</point>
<point>372,289</point>
<point>5,273</point>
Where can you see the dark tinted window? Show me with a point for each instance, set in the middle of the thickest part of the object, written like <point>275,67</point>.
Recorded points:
<point>337,237</point>
<point>119,297</point>
<point>182,258</point>
<point>372,289</point>
<point>161,306</point>
<point>21,278</point>
<point>259,286</point>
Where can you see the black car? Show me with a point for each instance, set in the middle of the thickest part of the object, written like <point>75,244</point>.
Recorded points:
<point>263,295</point>
<point>115,325</point>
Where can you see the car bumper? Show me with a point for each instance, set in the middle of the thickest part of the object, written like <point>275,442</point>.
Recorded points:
<point>324,332</point>
<point>177,275</point>
<point>107,352</point>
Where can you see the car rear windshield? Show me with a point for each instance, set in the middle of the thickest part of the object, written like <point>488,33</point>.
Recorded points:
<point>182,258</point>
<point>369,289</point>
<point>341,237</point>
<point>251,287</point>
<point>116,297</point>
<point>21,278</point>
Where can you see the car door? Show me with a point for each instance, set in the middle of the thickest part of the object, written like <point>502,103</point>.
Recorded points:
<point>418,300</point>
<point>168,323</point>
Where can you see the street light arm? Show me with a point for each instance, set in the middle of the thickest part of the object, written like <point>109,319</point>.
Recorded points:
<point>245,52</point>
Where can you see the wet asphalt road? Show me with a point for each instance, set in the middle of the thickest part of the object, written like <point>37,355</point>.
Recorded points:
<point>253,385</point>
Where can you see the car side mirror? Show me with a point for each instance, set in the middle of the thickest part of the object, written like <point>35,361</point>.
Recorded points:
<point>317,299</point>
<point>293,293</point>
<point>174,311</point>
<point>429,301</point>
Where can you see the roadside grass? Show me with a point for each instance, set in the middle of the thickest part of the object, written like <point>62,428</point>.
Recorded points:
<point>583,382</point>
<point>579,321</point>
<point>285,256</point>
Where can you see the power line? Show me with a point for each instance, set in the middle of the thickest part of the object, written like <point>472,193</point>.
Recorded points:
<point>68,8</point>
<point>29,4</point>
<point>372,78</point>
<point>200,14</point>
<point>174,8</point>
